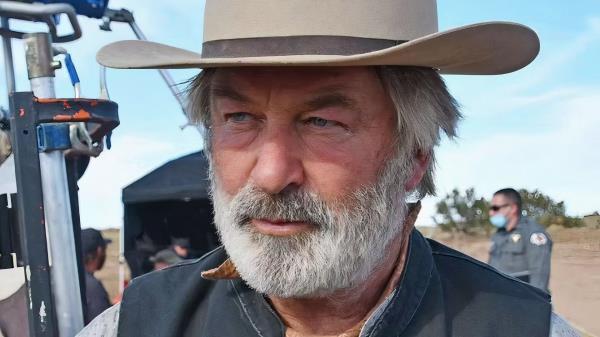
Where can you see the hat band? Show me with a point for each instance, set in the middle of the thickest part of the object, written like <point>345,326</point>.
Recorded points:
<point>294,45</point>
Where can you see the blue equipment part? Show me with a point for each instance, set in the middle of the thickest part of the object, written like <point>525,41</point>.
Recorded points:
<point>89,8</point>
<point>53,137</point>
<point>108,140</point>
<point>71,69</point>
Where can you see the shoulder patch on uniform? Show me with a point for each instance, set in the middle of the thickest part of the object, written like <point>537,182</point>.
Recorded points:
<point>538,239</point>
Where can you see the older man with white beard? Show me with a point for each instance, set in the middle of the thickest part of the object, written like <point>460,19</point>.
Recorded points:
<point>304,220</point>
<point>320,124</point>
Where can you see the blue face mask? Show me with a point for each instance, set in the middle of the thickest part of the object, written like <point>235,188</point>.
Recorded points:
<point>498,220</point>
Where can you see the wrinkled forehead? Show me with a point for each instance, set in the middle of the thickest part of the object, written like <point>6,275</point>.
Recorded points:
<point>354,80</point>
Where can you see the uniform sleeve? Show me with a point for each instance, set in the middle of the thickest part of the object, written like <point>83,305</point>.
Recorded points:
<point>539,249</point>
<point>494,251</point>
<point>105,325</point>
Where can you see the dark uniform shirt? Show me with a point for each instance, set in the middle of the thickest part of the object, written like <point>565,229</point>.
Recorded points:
<point>523,253</point>
<point>96,297</point>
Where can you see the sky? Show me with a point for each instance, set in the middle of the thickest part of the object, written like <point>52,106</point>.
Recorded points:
<point>538,128</point>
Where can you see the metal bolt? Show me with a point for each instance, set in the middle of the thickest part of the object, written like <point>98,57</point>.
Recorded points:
<point>55,64</point>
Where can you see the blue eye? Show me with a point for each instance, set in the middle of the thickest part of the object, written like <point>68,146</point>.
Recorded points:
<point>238,116</point>
<point>319,122</point>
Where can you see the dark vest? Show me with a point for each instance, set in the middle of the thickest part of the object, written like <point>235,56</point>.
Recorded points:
<point>442,293</point>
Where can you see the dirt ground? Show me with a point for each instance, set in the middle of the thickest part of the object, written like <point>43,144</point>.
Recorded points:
<point>574,280</point>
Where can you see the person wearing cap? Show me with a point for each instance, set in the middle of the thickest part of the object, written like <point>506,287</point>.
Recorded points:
<point>520,247</point>
<point>321,121</point>
<point>93,247</point>
<point>181,247</point>
<point>164,259</point>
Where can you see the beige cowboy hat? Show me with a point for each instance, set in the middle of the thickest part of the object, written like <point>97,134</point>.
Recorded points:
<point>336,33</point>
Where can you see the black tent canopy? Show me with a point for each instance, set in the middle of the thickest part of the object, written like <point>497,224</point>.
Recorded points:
<point>184,178</point>
<point>170,202</point>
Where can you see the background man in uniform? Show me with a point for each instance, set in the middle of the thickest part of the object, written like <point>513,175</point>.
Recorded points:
<point>520,248</point>
<point>93,247</point>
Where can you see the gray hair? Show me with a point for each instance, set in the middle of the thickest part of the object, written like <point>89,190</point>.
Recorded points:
<point>425,108</point>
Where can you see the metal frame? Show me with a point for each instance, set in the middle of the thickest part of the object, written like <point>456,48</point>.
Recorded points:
<point>125,16</point>
<point>8,232</point>
<point>49,236</point>
<point>73,175</point>
<point>8,57</point>
<point>38,12</point>
<point>27,113</point>
<point>23,122</point>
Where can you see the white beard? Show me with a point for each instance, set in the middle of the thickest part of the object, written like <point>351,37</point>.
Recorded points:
<point>350,238</point>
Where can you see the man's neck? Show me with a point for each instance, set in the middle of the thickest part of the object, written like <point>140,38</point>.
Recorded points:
<point>513,224</point>
<point>90,267</point>
<point>344,309</point>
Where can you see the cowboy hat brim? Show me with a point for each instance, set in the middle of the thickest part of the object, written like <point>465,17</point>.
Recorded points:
<point>479,49</point>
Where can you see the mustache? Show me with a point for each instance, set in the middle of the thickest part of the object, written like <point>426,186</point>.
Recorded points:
<point>288,206</point>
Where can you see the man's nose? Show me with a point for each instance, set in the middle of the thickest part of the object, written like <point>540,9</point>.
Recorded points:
<point>278,164</point>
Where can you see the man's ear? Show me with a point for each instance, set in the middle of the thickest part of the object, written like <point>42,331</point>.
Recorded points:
<point>515,210</point>
<point>420,165</point>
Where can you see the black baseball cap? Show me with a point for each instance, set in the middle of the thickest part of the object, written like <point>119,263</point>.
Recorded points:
<point>183,242</point>
<point>91,239</point>
<point>166,256</point>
